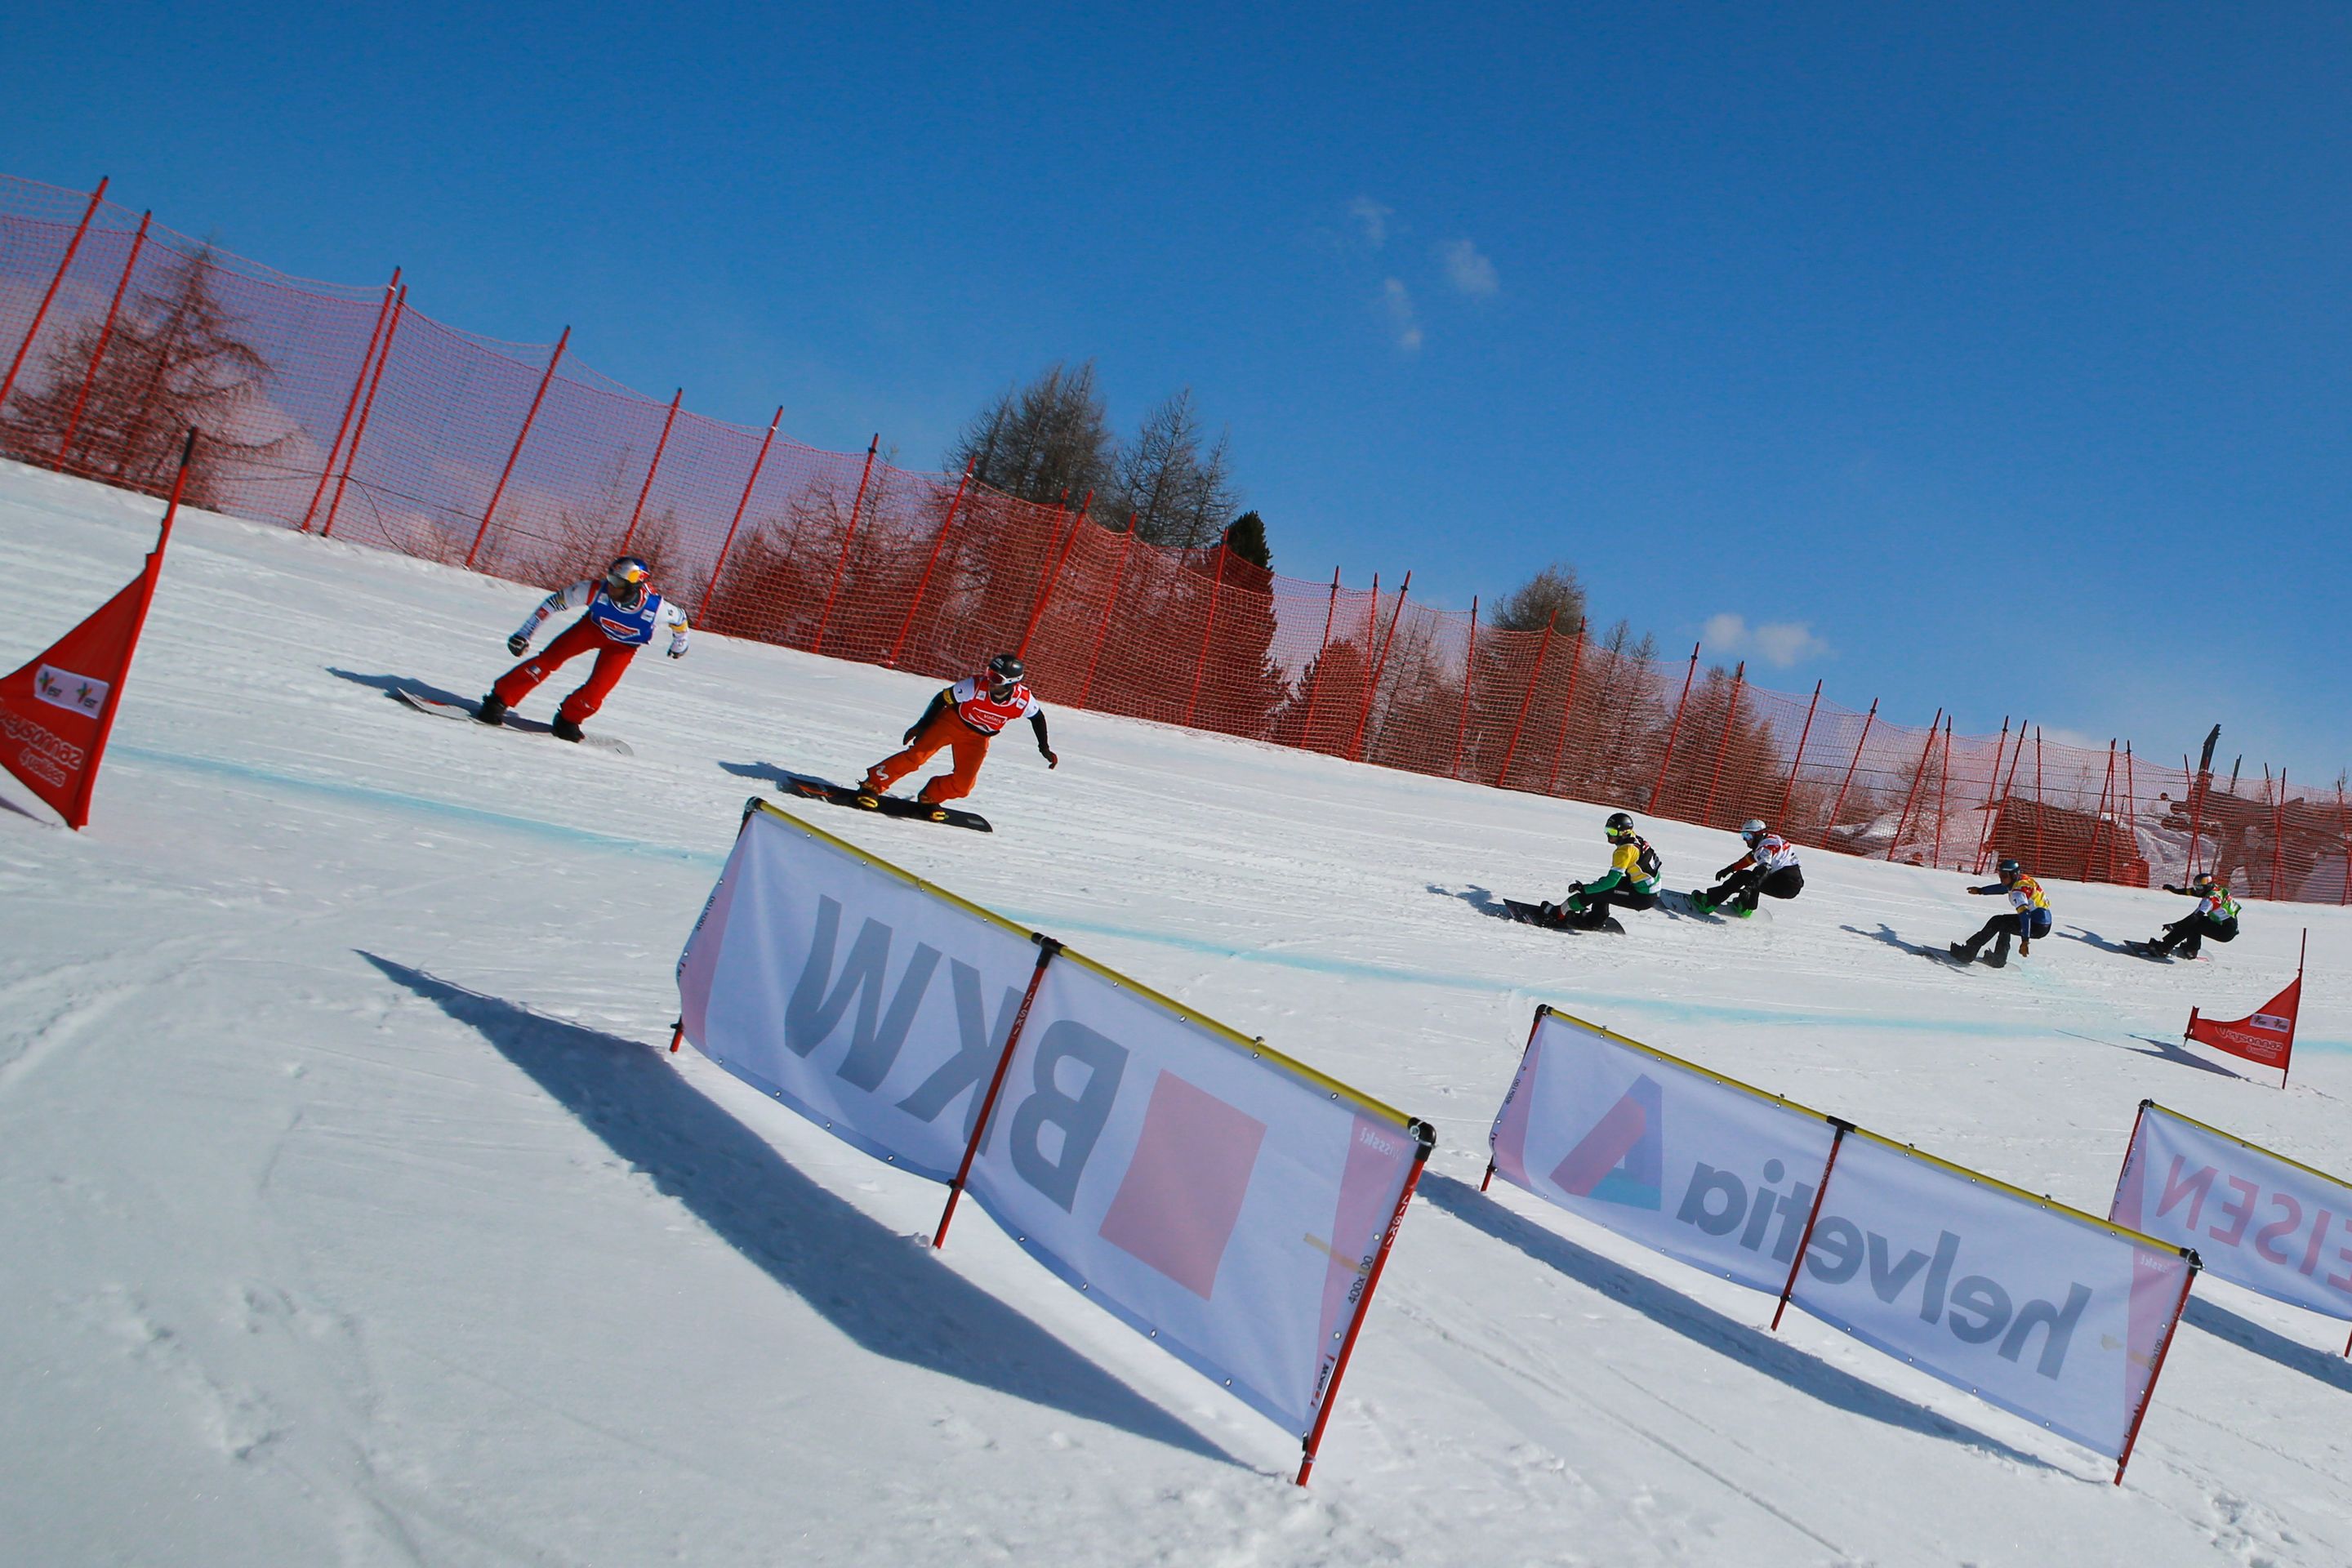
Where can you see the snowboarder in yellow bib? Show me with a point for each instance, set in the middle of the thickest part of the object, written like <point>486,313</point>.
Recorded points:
<point>2028,917</point>
<point>1630,882</point>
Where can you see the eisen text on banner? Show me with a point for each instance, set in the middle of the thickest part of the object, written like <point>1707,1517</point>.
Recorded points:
<point>2255,1218</point>
<point>873,1004</point>
<point>1711,1171</point>
<point>2044,1311</point>
<point>1216,1197</point>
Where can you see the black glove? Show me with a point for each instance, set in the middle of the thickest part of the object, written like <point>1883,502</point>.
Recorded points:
<point>517,644</point>
<point>1727,871</point>
<point>1974,892</point>
<point>1575,887</point>
<point>912,731</point>
<point>1051,759</point>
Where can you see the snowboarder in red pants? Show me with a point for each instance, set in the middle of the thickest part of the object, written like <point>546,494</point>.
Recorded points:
<point>965,716</point>
<point>624,613</point>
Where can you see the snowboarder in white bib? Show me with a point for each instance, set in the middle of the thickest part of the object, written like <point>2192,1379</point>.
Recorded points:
<point>1769,869</point>
<point>1630,883</point>
<point>624,614</point>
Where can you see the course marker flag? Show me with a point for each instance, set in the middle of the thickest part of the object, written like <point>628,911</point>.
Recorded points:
<point>2266,1035</point>
<point>2055,1315</point>
<point>57,711</point>
<point>1221,1199</point>
<point>2256,1217</point>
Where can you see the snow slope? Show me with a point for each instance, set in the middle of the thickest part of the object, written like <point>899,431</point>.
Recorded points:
<point>352,1213</point>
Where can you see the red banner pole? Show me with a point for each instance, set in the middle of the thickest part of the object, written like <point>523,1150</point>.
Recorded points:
<point>651,470</point>
<point>78,818</point>
<point>520,436</point>
<point>1503,774</point>
<point>1918,776</point>
<point>1372,686</point>
<point>1054,577</point>
<point>2287,1060</point>
<point>1723,745</point>
<point>848,537</point>
<point>1839,803</point>
<point>1425,1135</point>
<point>367,406</point>
<point>736,522</point>
<point>41,312</point>
<point>1805,1239</point>
<point>930,561</point>
<point>2156,1369</point>
<point>1208,634</point>
<point>1315,681</point>
<point>352,404</point>
<point>1666,759</point>
<point>1102,627</point>
<point>105,335</point>
<point>1046,947</point>
<point>1469,680</point>
<point>1567,708</point>
<point>1789,791</point>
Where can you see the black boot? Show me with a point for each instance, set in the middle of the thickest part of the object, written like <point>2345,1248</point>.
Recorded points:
<point>1966,952</point>
<point>1999,956</point>
<point>491,710</point>
<point>564,729</point>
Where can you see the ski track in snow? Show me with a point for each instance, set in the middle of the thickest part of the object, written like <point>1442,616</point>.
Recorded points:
<point>353,1211</point>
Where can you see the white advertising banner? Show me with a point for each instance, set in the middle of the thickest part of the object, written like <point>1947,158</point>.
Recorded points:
<point>869,1002</point>
<point>1711,1171</point>
<point>1221,1199</point>
<point>2255,1218</point>
<point>2044,1311</point>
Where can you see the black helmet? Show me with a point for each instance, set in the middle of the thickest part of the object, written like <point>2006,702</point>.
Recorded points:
<point>1619,825</point>
<point>624,582</point>
<point>2007,869</point>
<point>1003,670</point>
<point>2202,881</point>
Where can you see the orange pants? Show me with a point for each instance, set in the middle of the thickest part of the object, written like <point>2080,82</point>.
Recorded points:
<point>946,730</point>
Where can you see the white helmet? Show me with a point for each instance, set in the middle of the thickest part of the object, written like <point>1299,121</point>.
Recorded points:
<point>1750,831</point>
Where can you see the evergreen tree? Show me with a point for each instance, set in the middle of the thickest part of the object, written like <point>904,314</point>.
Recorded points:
<point>1173,481</point>
<point>1246,541</point>
<point>1552,596</point>
<point>1042,442</point>
<point>176,359</point>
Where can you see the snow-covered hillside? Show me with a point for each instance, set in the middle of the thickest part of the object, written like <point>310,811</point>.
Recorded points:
<point>352,1211</point>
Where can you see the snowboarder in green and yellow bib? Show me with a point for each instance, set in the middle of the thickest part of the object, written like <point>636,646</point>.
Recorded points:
<point>1630,882</point>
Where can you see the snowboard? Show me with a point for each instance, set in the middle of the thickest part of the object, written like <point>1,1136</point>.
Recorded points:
<point>465,712</point>
<point>808,787</point>
<point>2148,950</point>
<point>1531,915</point>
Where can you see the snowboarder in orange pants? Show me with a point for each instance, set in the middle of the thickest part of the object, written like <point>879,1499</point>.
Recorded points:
<point>966,717</point>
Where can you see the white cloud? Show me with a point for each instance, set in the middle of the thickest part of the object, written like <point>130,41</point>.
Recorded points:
<point>1374,218</point>
<point>1403,317</point>
<point>1470,272</point>
<point>1778,643</point>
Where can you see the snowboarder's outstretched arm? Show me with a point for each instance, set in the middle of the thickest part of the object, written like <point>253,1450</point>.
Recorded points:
<point>1037,722</point>
<point>575,597</point>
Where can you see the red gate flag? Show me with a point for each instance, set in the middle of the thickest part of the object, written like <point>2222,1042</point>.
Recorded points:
<point>2266,1035</point>
<point>57,711</point>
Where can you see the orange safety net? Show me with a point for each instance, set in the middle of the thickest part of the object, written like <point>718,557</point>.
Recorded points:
<point>346,411</point>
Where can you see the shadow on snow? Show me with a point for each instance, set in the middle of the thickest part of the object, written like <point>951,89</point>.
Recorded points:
<point>880,1289</point>
<point>2248,1335</point>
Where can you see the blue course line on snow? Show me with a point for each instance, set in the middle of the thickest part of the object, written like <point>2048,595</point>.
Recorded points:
<point>343,789</point>
<point>1307,963</point>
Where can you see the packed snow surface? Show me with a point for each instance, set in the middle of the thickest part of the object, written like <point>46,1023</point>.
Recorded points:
<point>353,1211</point>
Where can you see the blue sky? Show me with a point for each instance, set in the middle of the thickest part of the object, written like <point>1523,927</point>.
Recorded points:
<point>1998,358</point>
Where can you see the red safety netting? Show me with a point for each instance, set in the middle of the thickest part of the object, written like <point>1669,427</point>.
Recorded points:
<point>346,411</point>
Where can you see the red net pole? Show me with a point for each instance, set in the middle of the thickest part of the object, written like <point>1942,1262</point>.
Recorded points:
<point>1102,627</point>
<point>1314,681</point>
<point>1993,794</point>
<point>1789,790</point>
<point>736,522</point>
<point>520,436</point>
<point>630,534</point>
<point>105,335</point>
<point>2344,824</point>
<point>2198,783</point>
<point>1918,776</point>
<point>930,561</point>
<point>848,537</point>
<point>1839,803</point>
<point>1723,744</point>
<point>2131,806</point>
<point>2278,832</point>
<point>1054,574</point>
<point>1208,632</point>
<point>1469,679</point>
<point>1371,687</point>
<point>367,406</point>
<point>2037,800</point>
<point>352,404</point>
<point>57,281</point>
<point>2099,822</point>
<point>1567,708</point>
<point>1503,774</point>
<point>1673,730</point>
<point>1943,796</point>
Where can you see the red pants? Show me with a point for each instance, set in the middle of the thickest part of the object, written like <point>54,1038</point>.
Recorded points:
<point>946,730</point>
<point>581,636</point>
